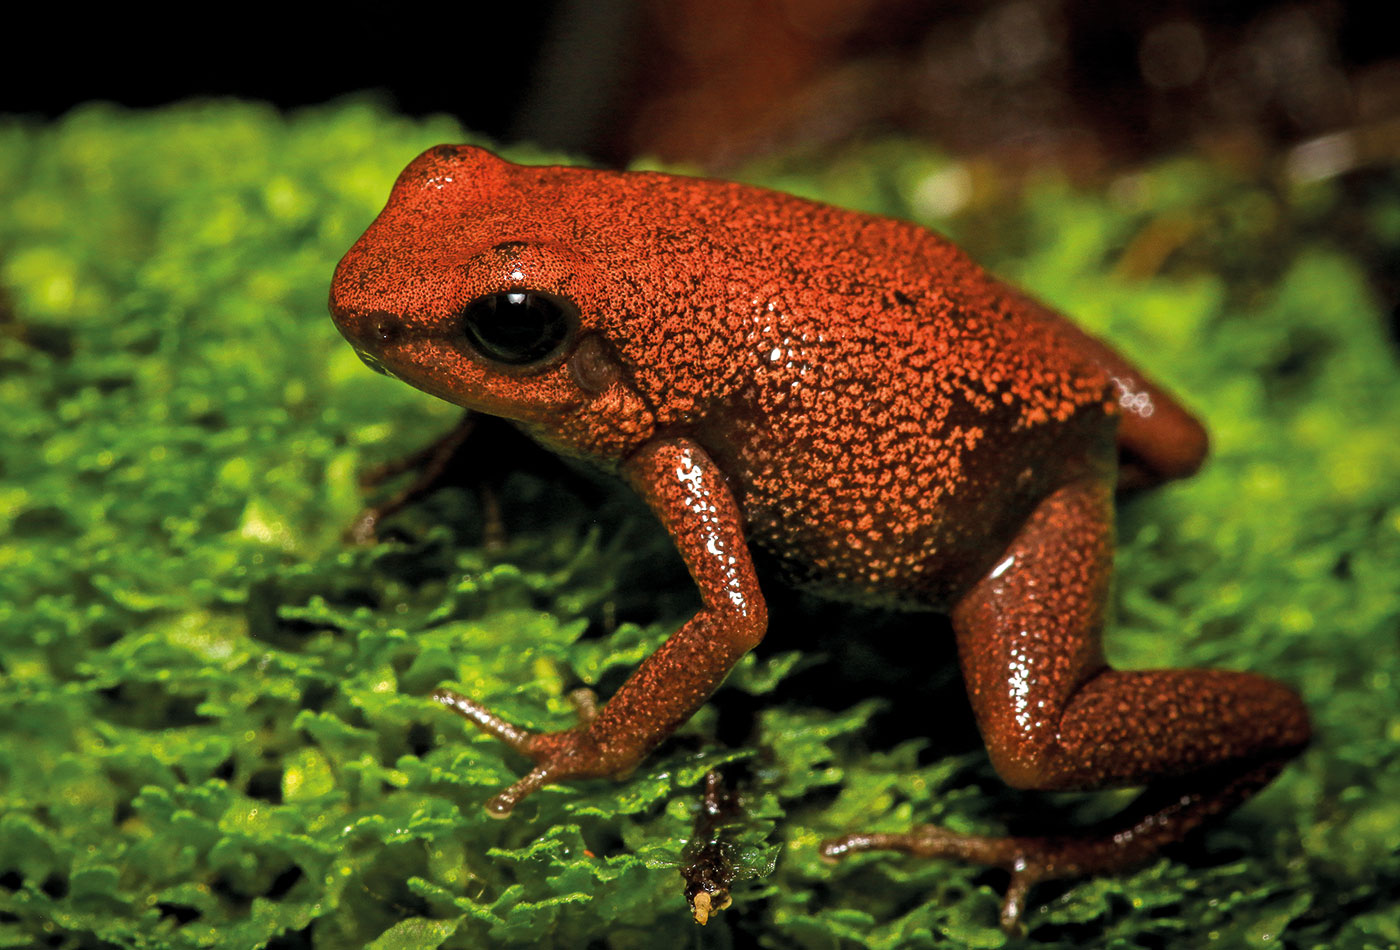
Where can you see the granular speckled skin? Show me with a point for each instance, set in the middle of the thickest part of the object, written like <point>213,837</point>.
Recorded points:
<point>855,397</point>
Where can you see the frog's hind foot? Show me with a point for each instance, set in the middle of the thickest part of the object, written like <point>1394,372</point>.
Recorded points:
<point>1029,860</point>
<point>1160,816</point>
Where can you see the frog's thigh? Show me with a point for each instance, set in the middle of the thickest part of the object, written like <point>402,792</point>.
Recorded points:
<point>1053,714</point>
<point>1158,444</point>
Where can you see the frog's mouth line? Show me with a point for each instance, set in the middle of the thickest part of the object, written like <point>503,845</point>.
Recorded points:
<point>374,363</point>
<point>521,406</point>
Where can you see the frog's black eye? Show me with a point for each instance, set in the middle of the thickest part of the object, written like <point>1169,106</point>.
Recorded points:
<point>519,328</point>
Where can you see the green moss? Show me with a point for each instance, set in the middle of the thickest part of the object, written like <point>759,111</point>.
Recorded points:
<point>215,715</point>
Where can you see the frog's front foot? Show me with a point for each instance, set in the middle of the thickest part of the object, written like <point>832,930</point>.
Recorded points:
<point>571,753</point>
<point>432,467</point>
<point>1028,860</point>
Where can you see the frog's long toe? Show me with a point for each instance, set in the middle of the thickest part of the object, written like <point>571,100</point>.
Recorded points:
<point>928,841</point>
<point>1029,860</point>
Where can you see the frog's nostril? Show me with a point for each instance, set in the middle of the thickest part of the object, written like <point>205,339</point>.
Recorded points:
<point>384,328</point>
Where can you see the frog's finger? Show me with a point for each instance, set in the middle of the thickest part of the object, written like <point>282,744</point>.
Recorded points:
<point>469,709</point>
<point>585,704</point>
<point>1014,903</point>
<point>502,805</point>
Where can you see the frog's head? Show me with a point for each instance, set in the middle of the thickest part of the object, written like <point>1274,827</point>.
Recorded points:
<point>459,289</point>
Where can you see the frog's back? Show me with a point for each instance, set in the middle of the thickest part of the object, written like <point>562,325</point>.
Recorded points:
<point>888,412</point>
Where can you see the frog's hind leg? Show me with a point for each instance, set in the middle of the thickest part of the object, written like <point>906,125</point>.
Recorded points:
<point>1055,716</point>
<point>1160,816</point>
<point>1158,440</point>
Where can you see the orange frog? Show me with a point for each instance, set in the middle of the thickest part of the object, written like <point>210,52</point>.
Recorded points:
<point>855,397</point>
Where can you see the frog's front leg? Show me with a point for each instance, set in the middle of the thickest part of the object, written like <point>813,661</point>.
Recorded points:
<point>430,465</point>
<point>689,495</point>
<point>477,454</point>
<point>1054,715</point>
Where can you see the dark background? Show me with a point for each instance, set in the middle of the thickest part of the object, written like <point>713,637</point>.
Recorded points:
<point>1085,84</point>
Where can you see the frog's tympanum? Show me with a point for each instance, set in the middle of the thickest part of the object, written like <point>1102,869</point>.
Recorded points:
<point>854,397</point>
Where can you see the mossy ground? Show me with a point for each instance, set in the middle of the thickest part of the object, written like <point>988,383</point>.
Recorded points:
<point>216,730</point>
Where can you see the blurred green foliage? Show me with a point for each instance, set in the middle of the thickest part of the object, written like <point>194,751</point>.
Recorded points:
<point>216,731</point>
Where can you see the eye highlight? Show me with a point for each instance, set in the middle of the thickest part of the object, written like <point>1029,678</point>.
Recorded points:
<point>519,328</point>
